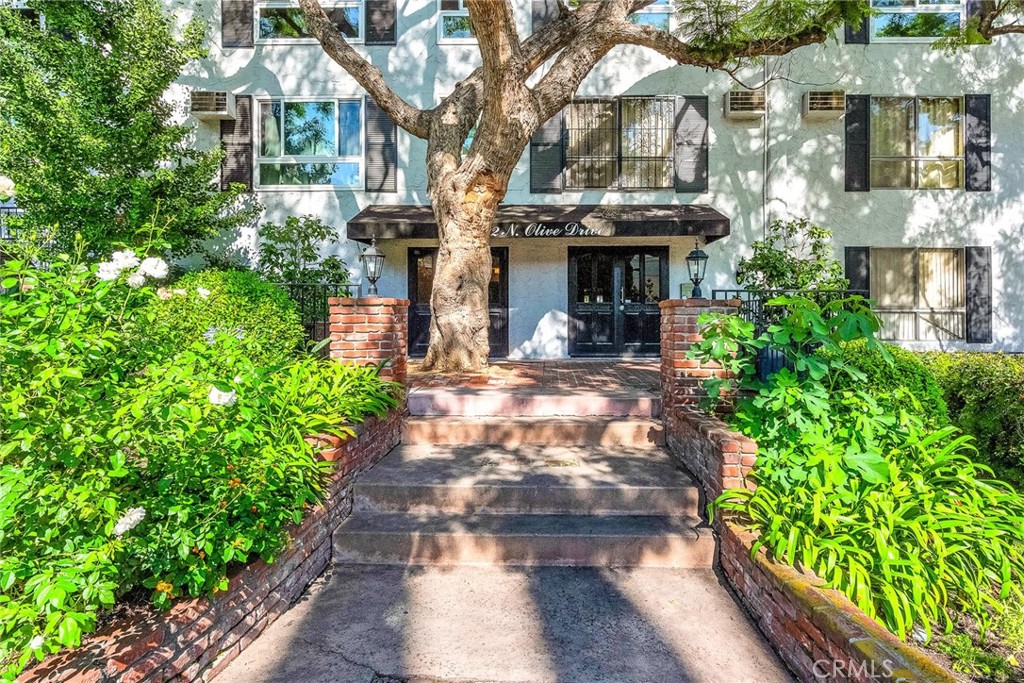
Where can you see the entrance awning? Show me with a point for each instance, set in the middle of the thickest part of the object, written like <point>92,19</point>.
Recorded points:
<point>552,221</point>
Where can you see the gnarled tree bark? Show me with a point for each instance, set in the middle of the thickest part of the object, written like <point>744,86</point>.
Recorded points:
<point>465,190</point>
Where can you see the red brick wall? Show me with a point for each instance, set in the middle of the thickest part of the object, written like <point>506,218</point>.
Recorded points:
<point>717,456</point>
<point>370,330</point>
<point>681,377</point>
<point>198,637</point>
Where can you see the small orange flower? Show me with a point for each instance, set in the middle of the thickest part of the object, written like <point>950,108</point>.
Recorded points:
<point>234,482</point>
<point>230,467</point>
<point>254,508</point>
<point>223,504</point>
<point>164,587</point>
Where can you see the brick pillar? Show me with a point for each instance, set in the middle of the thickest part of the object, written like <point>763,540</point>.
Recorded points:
<point>680,376</point>
<point>370,330</point>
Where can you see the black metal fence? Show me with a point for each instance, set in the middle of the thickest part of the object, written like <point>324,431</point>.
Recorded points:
<point>311,300</point>
<point>754,308</point>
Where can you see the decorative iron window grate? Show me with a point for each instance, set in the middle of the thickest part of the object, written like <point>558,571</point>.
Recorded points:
<point>626,143</point>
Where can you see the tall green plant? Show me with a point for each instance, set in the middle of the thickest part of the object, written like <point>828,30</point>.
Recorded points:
<point>895,515</point>
<point>794,255</point>
<point>290,252</point>
<point>87,134</point>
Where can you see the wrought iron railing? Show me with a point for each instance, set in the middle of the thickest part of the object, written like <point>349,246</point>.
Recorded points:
<point>754,308</point>
<point>311,300</point>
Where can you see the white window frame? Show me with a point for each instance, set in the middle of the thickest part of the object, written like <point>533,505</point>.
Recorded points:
<point>921,313</point>
<point>916,158</point>
<point>918,7</point>
<point>660,7</point>
<point>289,159</point>
<point>442,39</point>
<point>22,5</point>
<point>294,4</point>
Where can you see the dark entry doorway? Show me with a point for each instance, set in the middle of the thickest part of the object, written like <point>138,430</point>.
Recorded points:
<point>422,261</point>
<point>613,300</point>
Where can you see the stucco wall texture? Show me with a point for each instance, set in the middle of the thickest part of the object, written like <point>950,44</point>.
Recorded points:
<point>780,167</point>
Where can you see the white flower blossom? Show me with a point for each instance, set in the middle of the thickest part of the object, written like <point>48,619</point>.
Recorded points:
<point>222,398</point>
<point>210,335</point>
<point>154,267</point>
<point>108,271</point>
<point>124,259</point>
<point>129,521</point>
<point>36,643</point>
<point>136,280</point>
<point>238,379</point>
<point>6,188</point>
<point>203,292</point>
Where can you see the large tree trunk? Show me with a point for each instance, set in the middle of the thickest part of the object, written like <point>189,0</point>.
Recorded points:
<point>460,320</point>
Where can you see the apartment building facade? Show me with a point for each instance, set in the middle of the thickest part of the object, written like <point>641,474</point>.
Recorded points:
<point>913,157</point>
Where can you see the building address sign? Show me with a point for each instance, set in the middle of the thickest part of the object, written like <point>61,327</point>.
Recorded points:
<point>513,230</point>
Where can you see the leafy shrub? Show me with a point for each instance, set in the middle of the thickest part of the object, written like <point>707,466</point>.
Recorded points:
<point>985,395</point>
<point>290,252</point>
<point>236,302</point>
<point>161,468</point>
<point>893,514</point>
<point>795,254</point>
<point>894,377</point>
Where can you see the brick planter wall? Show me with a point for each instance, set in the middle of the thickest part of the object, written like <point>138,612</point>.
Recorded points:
<point>371,330</point>
<point>818,632</point>
<point>198,637</point>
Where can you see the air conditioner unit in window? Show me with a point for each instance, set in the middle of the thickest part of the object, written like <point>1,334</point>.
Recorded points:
<point>213,106</point>
<point>824,105</point>
<point>744,104</point>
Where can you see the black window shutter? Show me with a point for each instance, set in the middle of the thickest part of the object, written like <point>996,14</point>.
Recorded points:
<point>978,143</point>
<point>381,149</point>
<point>858,268</point>
<point>859,34</point>
<point>858,143</point>
<point>691,144</point>
<point>450,6</point>
<point>979,294</point>
<point>236,140</point>
<point>381,19</point>
<point>543,11</point>
<point>236,22</point>
<point>546,160</point>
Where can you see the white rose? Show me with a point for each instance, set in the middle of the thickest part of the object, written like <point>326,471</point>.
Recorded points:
<point>203,292</point>
<point>154,267</point>
<point>108,271</point>
<point>36,643</point>
<point>136,280</point>
<point>6,188</point>
<point>125,259</point>
<point>129,521</point>
<point>222,398</point>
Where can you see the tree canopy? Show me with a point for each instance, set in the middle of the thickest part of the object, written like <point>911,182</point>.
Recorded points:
<point>87,133</point>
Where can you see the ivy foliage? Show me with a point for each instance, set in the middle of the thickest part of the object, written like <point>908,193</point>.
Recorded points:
<point>794,255</point>
<point>87,135</point>
<point>886,509</point>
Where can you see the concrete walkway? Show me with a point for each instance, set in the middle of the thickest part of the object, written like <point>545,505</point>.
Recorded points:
<point>386,624</point>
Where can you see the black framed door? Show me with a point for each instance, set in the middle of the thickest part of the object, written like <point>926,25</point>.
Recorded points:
<point>422,261</point>
<point>613,300</point>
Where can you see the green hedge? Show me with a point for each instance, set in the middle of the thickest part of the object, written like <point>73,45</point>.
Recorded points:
<point>985,395</point>
<point>235,302</point>
<point>886,380</point>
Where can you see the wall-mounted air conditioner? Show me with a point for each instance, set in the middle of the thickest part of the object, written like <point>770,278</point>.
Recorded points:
<point>744,104</point>
<point>824,105</point>
<point>213,106</point>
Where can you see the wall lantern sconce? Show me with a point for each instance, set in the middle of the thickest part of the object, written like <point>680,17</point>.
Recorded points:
<point>696,266</point>
<point>373,265</point>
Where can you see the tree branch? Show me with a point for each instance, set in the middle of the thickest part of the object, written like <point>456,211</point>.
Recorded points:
<point>415,121</point>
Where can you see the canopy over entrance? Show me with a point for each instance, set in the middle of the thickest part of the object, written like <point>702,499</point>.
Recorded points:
<point>551,221</point>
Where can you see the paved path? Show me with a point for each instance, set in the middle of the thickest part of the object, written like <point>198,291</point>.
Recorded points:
<point>557,376</point>
<point>372,624</point>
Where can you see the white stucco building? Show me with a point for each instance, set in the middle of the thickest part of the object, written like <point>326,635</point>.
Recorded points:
<point>913,158</point>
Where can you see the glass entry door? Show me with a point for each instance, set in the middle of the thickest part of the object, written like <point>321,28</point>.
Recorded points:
<point>422,262</point>
<point>613,300</point>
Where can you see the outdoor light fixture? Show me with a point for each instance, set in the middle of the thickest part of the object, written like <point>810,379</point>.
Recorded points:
<point>373,265</point>
<point>696,265</point>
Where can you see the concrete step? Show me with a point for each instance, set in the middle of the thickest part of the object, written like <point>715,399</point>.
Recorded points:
<point>515,402</point>
<point>525,540</point>
<point>531,479</point>
<point>512,432</point>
